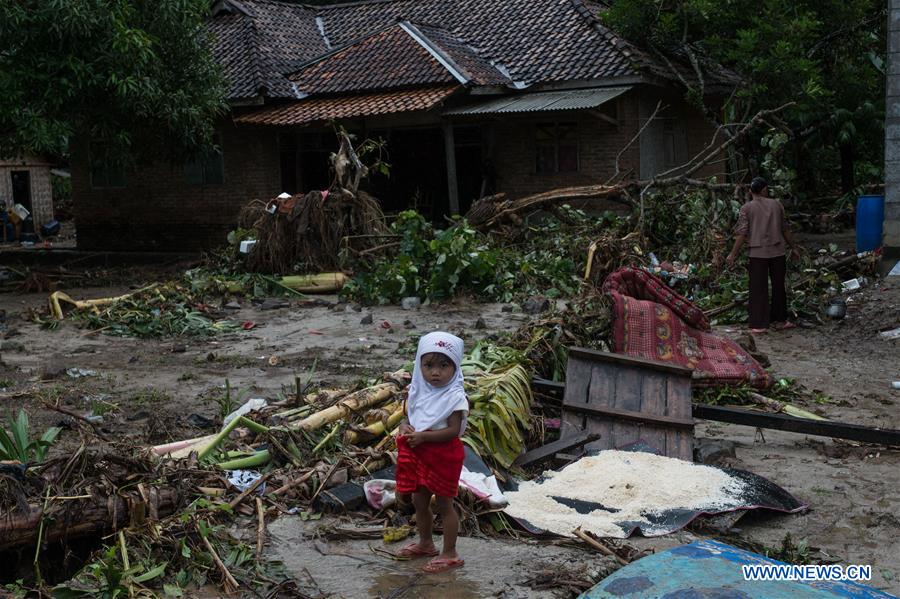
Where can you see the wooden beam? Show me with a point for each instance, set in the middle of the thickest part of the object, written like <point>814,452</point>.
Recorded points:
<point>818,428</point>
<point>549,449</point>
<point>600,356</point>
<point>450,151</point>
<point>781,422</point>
<point>603,117</point>
<point>616,414</point>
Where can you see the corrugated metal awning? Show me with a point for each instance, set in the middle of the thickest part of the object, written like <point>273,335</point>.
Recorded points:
<point>575,99</point>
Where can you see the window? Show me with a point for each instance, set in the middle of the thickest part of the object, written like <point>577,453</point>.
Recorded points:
<point>105,171</point>
<point>556,148</point>
<point>206,169</point>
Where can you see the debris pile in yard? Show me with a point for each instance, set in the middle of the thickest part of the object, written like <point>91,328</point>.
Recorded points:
<point>312,232</point>
<point>544,257</point>
<point>177,500</point>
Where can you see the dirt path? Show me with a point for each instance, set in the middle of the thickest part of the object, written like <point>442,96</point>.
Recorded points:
<point>151,388</point>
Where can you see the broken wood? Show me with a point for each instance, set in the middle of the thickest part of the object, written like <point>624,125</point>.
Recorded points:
<point>293,484</point>
<point>260,527</point>
<point>615,414</point>
<point>545,451</point>
<point>231,584</point>
<point>626,400</point>
<point>820,428</point>
<point>246,493</point>
<point>599,546</point>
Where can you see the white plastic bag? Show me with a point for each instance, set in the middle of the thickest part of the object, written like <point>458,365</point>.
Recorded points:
<point>380,493</point>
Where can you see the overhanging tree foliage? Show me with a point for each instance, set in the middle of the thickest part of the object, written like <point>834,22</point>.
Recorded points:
<point>826,56</point>
<point>136,75</point>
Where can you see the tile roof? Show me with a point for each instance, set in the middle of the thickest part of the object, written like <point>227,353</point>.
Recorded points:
<point>471,61</point>
<point>390,58</point>
<point>313,110</point>
<point>492,42</point>
<point>257,42</point>
<point>536,40</point>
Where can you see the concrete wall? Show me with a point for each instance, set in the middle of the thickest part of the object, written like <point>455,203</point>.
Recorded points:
<point>158,210</point>
<point>892,136</point>
<point>41,190</point>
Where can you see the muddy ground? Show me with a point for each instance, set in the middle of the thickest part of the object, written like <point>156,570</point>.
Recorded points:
<point>148,390</point>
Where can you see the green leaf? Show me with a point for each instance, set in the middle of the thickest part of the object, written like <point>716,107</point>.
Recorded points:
<point>151,574</point>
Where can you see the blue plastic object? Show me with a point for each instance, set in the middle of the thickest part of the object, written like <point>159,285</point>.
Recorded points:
<point>869,222</point>
<point>712,570</point>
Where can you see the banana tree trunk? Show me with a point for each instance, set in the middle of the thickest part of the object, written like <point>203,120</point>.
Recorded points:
<point>366,398</point>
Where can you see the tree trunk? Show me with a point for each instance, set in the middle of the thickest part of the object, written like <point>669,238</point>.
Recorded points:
<point>73,519</point>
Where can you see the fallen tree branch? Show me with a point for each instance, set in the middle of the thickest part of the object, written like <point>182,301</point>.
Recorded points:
<point>231,585</point>
<point>659,106</point>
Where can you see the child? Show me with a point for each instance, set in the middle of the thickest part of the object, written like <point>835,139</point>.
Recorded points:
<point>430,454</point>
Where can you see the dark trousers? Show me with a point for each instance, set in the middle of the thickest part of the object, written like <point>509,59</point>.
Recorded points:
<point>762,313</point>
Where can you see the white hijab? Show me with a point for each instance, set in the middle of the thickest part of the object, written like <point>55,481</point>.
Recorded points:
<point>429,407</point>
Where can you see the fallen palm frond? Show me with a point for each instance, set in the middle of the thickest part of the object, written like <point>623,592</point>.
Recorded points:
<point>499,389</point>
<point>159,310</point>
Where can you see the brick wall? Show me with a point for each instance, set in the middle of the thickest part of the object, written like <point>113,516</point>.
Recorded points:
<point>158,210</point>
<point>599,144</point>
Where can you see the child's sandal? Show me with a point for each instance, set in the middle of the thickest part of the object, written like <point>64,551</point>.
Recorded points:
<point>415,550</point>
<point>438,565</point>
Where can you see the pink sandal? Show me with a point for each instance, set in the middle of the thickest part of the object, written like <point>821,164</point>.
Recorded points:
<point>785,326</point>
<point>440,564</point>
<point>759,331</point>
<point>415,550</point>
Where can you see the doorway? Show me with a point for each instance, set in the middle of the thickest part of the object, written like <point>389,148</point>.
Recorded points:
<point>21,188</point>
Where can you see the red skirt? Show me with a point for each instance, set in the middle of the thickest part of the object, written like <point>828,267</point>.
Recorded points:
<point>435,466</point>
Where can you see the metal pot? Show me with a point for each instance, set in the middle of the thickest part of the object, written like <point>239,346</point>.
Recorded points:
<point>837,309</point>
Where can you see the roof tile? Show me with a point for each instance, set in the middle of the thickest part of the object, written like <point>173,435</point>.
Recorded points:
<point>313,110</point>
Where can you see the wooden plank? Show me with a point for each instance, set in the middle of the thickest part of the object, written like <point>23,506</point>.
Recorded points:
<point>823,428</point>
<point>578,375</point>
<point>627,400</point>
<point>678,405</point>
<point>547,386</point>
<point>601,393</point>
<point>623,360</point>
<point>549,449</point>
<point>653,402</point>
<point>627,415</point>
<point>818,428</point>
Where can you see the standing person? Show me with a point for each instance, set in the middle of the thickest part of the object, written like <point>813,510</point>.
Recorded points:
<point>763,225</point>
<point>430,453</point>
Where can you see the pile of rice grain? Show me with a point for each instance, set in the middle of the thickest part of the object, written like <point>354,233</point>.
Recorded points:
<point>633,483</point>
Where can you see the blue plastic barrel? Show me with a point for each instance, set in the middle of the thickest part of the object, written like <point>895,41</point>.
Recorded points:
<point>869,222</point>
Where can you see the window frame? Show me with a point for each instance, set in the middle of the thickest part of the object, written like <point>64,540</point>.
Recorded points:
<point>557,141</point>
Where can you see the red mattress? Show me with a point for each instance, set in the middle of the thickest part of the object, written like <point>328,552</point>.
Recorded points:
<point>652,321</point>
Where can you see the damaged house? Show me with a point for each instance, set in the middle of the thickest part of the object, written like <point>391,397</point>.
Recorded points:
<point>472,97</point>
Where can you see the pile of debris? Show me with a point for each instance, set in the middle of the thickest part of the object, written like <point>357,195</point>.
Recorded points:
<point>311,232</point>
